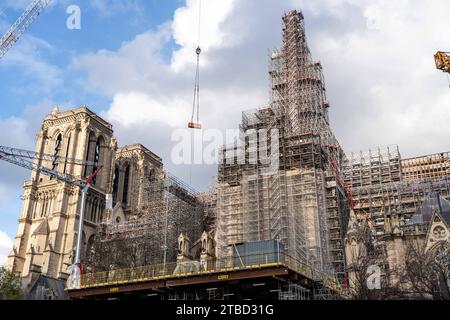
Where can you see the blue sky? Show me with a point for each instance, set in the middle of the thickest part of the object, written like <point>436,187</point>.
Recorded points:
<point>133,62</point>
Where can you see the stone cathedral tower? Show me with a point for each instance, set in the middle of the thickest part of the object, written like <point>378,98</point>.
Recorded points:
<point>46,238</point>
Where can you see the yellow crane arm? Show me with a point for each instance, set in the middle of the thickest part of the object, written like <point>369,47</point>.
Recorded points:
<point>443,61</point>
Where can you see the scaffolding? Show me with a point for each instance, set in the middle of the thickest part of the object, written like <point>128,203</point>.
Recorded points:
<point>382,181</point>
<point>323,292</point>
<point>171,208</point>
<point>230,170</point>
<point>308,144</point>
<point>373,167</point>
<point>304,102</point>
<point>426,167</point>
<point>229,220</point>
<point>303,203</point>
<point>293,291</point>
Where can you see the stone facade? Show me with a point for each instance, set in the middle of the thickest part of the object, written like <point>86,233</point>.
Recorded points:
<point>134,163</point>
<point>47,233</point>
<point>46,238</point>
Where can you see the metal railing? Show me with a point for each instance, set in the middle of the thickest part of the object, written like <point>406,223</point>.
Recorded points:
<point>173,270</point>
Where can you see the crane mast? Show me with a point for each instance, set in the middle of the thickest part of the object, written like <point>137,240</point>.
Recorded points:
<point>31,13</point>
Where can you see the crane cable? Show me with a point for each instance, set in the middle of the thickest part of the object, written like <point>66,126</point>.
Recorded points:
<point>196,102</point>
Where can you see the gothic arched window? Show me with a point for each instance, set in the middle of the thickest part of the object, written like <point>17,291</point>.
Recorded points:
<point>97,156</point>
<point>126,184</point>
<point>90,154</point>
<point>94,210</point>
<point>115,185</point>
<point>152,175</point>
<point>67,154</point>
<point>56,153</point>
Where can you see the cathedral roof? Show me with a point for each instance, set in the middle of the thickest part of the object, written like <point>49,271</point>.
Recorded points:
<point>434,202</point>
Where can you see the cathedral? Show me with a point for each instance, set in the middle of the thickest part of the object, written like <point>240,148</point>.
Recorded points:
<point>413,256</point>
<point>340,216</point>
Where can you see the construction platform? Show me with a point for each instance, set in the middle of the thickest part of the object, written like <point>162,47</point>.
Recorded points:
<point>287,280</point>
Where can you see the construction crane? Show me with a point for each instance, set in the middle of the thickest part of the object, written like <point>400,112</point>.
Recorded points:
<point>30,160</point>
<point>31,13</point>
<point>442,61</point>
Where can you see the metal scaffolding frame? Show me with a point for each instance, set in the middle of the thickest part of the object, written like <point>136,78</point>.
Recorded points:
<point>293,291</point>
<point>426,167</point>
<point>169,209</point>
<point>382,181</point>
<point>303,203</point>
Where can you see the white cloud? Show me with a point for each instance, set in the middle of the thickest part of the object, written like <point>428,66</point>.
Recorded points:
<point>146,110</point>
<point>212,35</point>
<point>23,129</point>
<point>17,129</point>
<point>137,64</point>
<point>6,245</point>
<point>381,75</point>
<point>17,135</point>
<point>140,67</point>
<point>26,55</point>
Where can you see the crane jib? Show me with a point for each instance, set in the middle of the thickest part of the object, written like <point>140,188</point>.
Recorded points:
<point>16,157</point>
<point>31,13</point>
